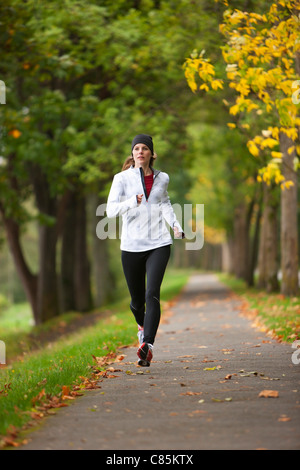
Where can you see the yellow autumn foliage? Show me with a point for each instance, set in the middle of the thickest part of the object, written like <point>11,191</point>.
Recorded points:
<point>260,66</point>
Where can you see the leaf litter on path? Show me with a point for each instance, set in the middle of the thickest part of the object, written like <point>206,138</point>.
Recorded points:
<point>269,394</point>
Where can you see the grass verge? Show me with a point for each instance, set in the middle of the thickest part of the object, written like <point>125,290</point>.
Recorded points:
<point>41,380</point>
<point>277,315</point>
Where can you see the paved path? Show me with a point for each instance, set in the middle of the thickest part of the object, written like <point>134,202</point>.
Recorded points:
<point>178,405</point>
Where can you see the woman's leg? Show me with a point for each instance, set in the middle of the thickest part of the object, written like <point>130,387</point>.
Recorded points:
<point>156,264</point>
<point>135,270</point>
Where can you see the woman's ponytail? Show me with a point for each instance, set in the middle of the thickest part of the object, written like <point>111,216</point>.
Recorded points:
<point>128,162</point>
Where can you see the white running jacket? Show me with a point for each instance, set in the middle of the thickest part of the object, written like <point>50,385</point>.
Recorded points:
<point>143,225</point>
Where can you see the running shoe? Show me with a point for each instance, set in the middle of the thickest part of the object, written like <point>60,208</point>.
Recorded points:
<point>145,354</point>
<point>140,334</point>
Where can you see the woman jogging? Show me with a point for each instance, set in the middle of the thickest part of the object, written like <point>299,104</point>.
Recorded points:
<point>139,194</point>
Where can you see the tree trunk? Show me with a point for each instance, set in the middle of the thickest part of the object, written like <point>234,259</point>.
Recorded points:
<point>229,257</point>
<point>289,226</point>
<point>104,278</point>
<point>47,292</point>
<point>254,246</point>
<point>83,295</point>
<point>268,248</point>
<point>241,242</point>
<point>47,286</point>
<point>67,270</point>
<point>29,280</point>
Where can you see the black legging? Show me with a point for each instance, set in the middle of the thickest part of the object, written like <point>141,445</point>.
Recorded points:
<point>136,266</point>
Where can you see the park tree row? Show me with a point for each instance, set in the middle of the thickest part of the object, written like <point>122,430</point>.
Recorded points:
<point>81,79</point>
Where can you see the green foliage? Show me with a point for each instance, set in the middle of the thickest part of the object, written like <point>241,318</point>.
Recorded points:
<point>82,79</point>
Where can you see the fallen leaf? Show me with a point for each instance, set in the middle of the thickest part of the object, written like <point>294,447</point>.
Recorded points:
<point>269,394</point>
<point>196,412</point>
<point>11,442</point>
<point>228,376</point>
<point>270,378</point>
<point>42,382</point>
<point>191,393</point>
<point>284,418</point>
<point>38,397</point>
<point>89,384</point>
<point>36,415</point>
<point>222,400</point>
<point>108,359</point>
<point>120,358</point>
<point>65,390</point>
<point>197,303</point>
<point>248,374</point>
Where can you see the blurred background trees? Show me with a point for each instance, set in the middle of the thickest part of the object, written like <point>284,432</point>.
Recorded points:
<point>82,78</point>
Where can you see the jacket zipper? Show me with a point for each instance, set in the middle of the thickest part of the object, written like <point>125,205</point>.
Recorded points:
<point>144,185</point>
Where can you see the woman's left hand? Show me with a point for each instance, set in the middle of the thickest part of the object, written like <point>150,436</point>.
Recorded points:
<point>178,234</point>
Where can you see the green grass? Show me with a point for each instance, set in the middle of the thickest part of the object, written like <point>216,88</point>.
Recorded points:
<point>276,314</point>
<point>46,370</point>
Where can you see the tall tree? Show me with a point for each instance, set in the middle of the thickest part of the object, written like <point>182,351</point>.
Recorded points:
<point>261,54</point>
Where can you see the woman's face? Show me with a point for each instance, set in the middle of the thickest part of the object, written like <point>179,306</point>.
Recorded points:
<point>142,155</point>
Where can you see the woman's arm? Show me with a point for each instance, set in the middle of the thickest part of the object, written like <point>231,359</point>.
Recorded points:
<point>116,202</point>
<point>169,214</point>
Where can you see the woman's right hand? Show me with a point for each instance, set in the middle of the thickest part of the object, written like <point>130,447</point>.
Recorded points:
<point>139,198</point>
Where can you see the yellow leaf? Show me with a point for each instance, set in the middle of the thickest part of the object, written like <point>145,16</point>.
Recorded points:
<point>215,84</point>
<point>291,132</point>
<point>204,87</point>
<point>234,109</point>
<point>231,125</point>
<point>276,154</point>
<point>269,143</point>
<point>253,149</point>
<point>287,184</point>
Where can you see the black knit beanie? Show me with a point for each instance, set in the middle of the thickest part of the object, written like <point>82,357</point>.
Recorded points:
<point>143,139</point>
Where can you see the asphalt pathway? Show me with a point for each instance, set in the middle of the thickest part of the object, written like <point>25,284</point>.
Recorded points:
<point>200,393</point>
